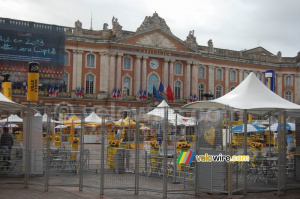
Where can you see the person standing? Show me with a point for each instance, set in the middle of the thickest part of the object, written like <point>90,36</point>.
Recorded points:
<point>6,143</point>
<point>290,142</point>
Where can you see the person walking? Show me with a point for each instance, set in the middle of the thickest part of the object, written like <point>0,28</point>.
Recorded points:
<point>290,142</point>
<point>6,144</point>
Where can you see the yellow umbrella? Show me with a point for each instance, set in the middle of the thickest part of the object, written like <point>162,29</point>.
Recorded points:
<point>73,119</point>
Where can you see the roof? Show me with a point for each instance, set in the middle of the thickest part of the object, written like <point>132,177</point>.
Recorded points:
<point>251,95</point>
<point>6,105</point>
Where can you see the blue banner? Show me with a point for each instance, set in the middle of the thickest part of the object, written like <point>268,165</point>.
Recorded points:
<point>270,79</point>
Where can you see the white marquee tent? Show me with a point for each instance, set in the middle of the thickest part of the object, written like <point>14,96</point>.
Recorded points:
<point>93,118</point>
<point>12,119</point>
<point>6,105</point>
<point>251,95</point>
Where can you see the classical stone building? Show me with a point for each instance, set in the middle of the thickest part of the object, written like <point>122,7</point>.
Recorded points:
<point>101,61</point>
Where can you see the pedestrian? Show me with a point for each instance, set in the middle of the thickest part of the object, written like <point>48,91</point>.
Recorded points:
<point>290,142</point>
<point>6,144</point>
<point>275,138</point>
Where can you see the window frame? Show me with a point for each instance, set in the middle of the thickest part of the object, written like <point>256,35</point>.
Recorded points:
<point>288,97</point>
<point>257,75</point>
<point>176,89</point>
<point>130,86</point>
<point>221,71</point>
<point>290,83</point>
<point>200,97</point>
<point>181,69</point>
<point>87,91</point>
<point>221,91</point>
<point>130,66</point>
<point>235,76</point>
<point>86,63</point>
<point>68,63</point>
<point>199,75</point>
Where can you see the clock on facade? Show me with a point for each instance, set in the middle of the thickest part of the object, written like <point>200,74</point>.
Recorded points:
<point>154,64</point>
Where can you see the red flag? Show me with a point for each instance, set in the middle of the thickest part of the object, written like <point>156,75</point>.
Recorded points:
<point>170,94</point>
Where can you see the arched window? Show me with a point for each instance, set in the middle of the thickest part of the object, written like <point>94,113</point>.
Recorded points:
<point>288,80</point>
<point>177,93</point>
<point>127,63</point>
<point>90,61</point>
<point>127,84</point>
<point>67,59</point>
<point>288,96</point>
<point>178,68</point>
<point>152,81</point>
<point>246,73</point>
<point>202,72</point>
<point>219,74</point>
<point>89,84</point>
<point>233,76</point>
<point>259,76</point>
<point>201,91</point>
<point>218,91</point>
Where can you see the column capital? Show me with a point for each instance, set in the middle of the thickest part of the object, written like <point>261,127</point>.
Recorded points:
<point>211,67</point>
<point>297,75</point>
<point>227,69</point>
<point>77,51</point>
<point>166,60</point>
<point>145,57</point>
<point>112,54</point>
<point>279,74</point>
<point>104,54</point>
<point>172,60</point>
<point>138,56</point>
<point>120,54</point>
<point>189,62</point>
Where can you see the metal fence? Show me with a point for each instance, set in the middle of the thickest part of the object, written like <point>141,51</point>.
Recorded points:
<point>131,151</point>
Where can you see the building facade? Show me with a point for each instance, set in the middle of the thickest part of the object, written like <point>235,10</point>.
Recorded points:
<point>97,62</point>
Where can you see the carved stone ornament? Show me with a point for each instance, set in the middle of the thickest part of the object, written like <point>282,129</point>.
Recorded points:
<point>157,40</point>
<point>191,40</point>
<point>154,22</point>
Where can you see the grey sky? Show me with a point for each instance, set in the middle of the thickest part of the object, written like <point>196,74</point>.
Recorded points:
<point>231,24</point>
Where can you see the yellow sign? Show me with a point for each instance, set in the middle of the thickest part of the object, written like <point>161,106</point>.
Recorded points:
<point>209,135</point>
<point>6,89</point>
<point>33,82</point>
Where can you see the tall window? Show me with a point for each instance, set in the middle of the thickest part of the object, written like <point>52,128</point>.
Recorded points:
<point>127,63</point>
<point>152,81</point>
<point>201,91</point>
<point>288,80</point>
<point>259,76</point>
<point>219,74</point>
<point>127,84</point>
<point>90,61</point>
<point>89,84</point>
<point>218,91</point>
<point>67,59</point>
<point>233,76</point>
<point>64,83</point>
<point>178,69</point>
<point>246,73</point>
<point>202,72</point>
<point>288,96</point>
<point>177,90</point>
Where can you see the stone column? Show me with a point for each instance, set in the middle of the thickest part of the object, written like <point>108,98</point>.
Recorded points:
<point>137,75</point>
<point>211,79</point>
<point>77,69</point>
<point>297,88</point>
<point>119,70</point>
<point>74,73</point>
<point>104,70</point>
<point>165,73</point>
<point>278,79</point>
<point>195,78</point>
<point>112,72</point>
<point>144,74</point>
<point>241,75</point>
<point>187,80</point>
<point>171,75</point>
<point>227,89</point>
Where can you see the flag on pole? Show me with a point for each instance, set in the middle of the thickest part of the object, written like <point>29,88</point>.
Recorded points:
<point>114,93</point>
<point>194,98</point>
<point>162,88</point>
<point>170,94</point>
<point>56,90</point>
<point>141,95</point>
<point>82,92</point>
<point>144,95</point>
<point>156,93</point>
<point>77,91</point>
<point>191,98</point>
<point>119,93</point>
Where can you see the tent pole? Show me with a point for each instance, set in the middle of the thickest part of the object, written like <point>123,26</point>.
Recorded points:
<point>245,151</point>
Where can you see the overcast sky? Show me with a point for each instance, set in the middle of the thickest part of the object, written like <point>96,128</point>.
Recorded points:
<point>231,24</point>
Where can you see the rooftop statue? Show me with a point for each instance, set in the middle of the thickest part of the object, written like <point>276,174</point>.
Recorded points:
<point>154,22</point>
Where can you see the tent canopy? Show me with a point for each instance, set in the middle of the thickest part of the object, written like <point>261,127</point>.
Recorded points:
<point>73,119</point>
<point>12,119</point>
<point>93,118</point>
<point>251,95</point>
<point>6,105</point>
<point>158,113</point>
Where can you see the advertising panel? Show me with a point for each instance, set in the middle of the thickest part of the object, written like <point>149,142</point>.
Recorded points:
<point>270,79</point>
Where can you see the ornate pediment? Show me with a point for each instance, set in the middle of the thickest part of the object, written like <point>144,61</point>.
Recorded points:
<point>156,39</point>
<point>154,22</point>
